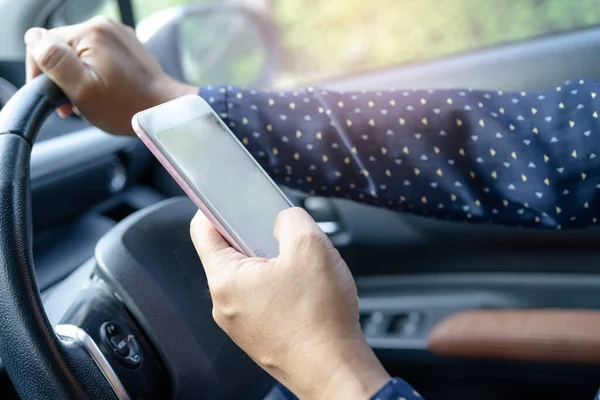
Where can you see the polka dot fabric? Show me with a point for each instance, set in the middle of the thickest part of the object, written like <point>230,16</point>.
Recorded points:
<point>523,159</point>
<point>395,389</point>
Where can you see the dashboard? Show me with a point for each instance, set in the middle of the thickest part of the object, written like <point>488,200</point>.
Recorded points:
<point>82,184</point>
<point>7,90</point>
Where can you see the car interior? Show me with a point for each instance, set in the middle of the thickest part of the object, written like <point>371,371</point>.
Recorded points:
<point>459,310</point>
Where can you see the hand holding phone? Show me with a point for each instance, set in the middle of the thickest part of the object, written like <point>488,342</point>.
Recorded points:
<point>216,171</point>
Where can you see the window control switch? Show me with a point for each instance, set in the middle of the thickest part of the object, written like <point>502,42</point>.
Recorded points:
<point>405,324</point>
<point>375,324</point>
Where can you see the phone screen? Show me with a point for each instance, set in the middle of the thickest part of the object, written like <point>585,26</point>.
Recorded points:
<point>231,183</point>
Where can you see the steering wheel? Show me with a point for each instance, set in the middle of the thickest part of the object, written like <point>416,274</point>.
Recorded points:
<point>39,363</point>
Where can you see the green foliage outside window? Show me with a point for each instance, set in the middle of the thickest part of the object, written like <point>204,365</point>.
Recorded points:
<point>324,39</point>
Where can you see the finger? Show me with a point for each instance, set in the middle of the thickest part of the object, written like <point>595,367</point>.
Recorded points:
<point>69,34</point>
<point>57,59</point>
<point>297,231</point>
<point>214,251</point>
<point>31,68</point>
<point>31,71</point>
<point>66,110</point>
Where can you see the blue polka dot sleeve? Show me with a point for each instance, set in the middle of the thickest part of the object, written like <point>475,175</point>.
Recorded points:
<point>395,389</point>
<point>522,159</point>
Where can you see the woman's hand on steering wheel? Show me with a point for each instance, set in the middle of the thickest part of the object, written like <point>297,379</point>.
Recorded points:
<point>296,315</point>
<point>104,69</point>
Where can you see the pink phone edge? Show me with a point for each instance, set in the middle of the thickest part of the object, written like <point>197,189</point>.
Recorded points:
<point>145,138</point>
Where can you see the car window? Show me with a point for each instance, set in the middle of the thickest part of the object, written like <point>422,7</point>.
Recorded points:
<point>75,11</point>
<point>328,39</point>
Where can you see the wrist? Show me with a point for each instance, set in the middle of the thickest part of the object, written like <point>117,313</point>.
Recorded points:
<point>356,378</point>
<point>344,369</point>
<point>161,90</point>
<point>166,89</point>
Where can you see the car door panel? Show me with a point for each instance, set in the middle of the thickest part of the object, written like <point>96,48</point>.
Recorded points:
<point>402,346</point>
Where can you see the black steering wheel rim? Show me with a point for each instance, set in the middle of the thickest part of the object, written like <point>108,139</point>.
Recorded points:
<point>40,365</point>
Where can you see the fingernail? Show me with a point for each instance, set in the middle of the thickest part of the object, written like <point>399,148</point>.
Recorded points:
<point>33,36</point>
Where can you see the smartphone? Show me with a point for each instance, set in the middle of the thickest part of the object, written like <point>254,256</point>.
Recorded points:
<point>216,171</point>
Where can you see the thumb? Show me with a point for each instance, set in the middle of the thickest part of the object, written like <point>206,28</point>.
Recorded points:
<point>298,233</point>
<point>57,59</point>
<point>214,251</point>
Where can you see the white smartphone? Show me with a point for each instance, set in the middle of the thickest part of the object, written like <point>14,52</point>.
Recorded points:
<point>216,171</point>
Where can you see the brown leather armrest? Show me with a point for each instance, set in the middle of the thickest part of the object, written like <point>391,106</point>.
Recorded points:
<point>532,335</point>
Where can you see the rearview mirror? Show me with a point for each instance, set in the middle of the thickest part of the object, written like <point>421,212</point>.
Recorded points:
<point>213,44</point>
